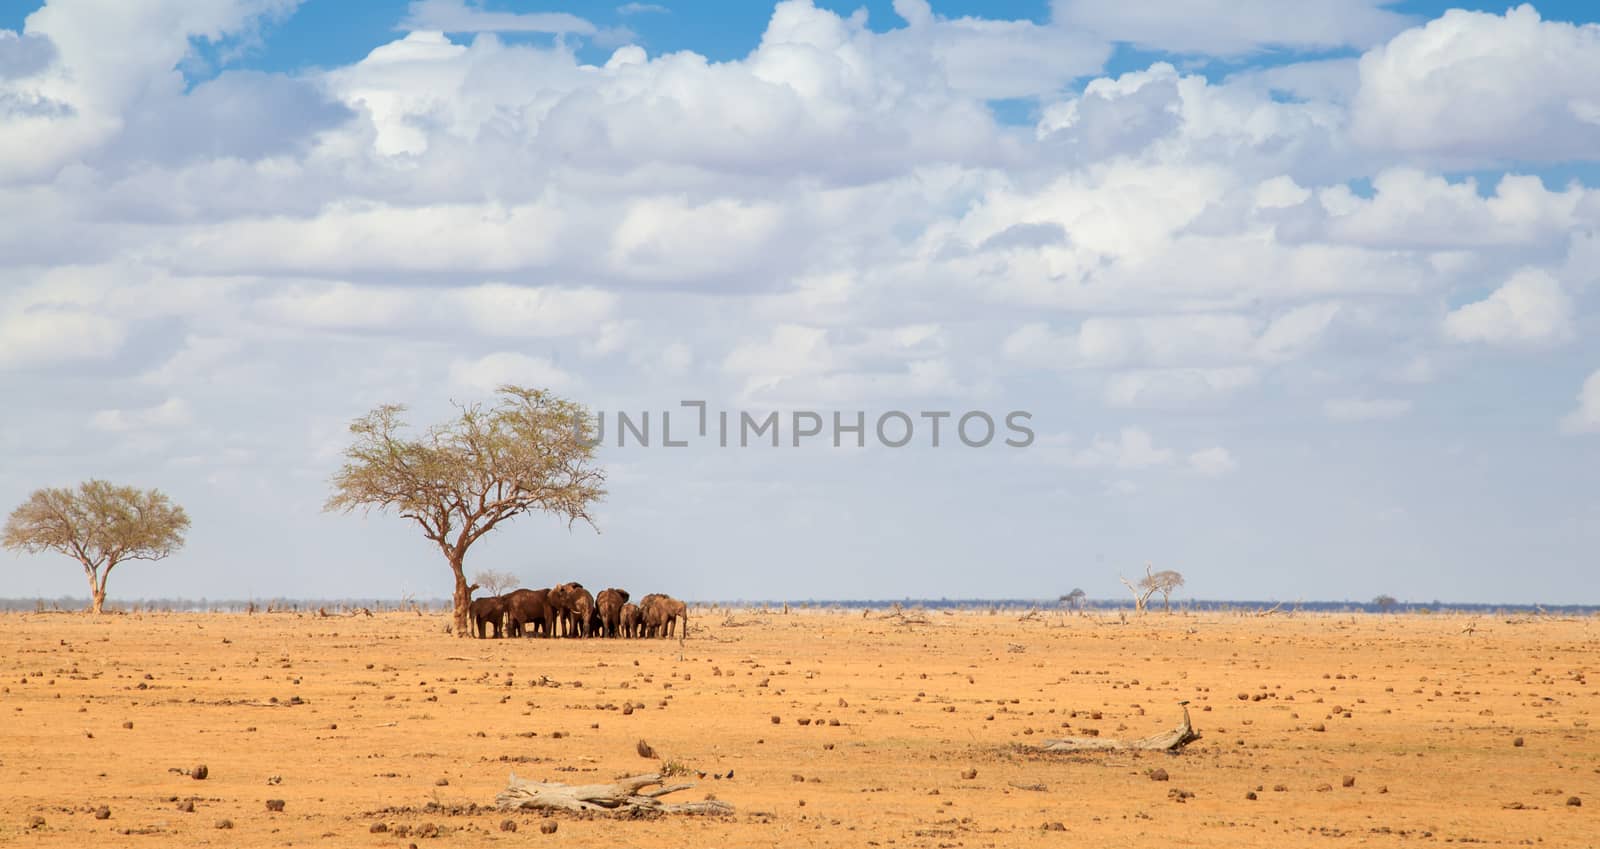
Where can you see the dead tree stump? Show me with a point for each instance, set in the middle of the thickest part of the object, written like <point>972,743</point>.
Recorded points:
<point>625,796</point>
<point>1166,741</point>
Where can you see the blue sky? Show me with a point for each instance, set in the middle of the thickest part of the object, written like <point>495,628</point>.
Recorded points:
<point>1230,262</point>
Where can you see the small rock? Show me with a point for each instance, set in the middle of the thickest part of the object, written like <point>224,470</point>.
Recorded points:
<point>443,782</point>
<point>547,827</point>
<point>1349,781</point>
<point>1251,795</point>
<point>275,805</point>
<point>969,774</point>
<point>186,806</point>
<point>36,822</point>
<point>199,773</point>
<point>1158,774</point>
<point>776,720</point>
<point>1054,826</point>
<point>102,813</point>
<point>508,825</point>
<point>378,828</point>
<point>224,823</point>
<point>128,724</point>
<point>1516,741</point>
<point>1574,802</point>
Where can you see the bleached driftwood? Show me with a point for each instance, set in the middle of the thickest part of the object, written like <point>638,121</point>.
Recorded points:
<point>1166,741</point>
<point>625,796</point>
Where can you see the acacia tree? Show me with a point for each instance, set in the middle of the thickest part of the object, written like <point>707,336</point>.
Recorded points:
<point>530,451</point>
<point>493,582</point>
<point>1385,603</point>
<point>100,525</point>
<point>1075,599</point>
<point>1142,590</point>
<point>1164,582</point>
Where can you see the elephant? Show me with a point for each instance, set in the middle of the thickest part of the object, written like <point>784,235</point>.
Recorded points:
<point>525,607</point>
<point>573,605</point>
<point>630,621</point>
<point>487,611</point>
<point>661,615</point>
<point>609,606</point>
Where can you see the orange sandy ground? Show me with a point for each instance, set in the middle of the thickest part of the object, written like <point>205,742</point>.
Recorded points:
<point>396,715</point>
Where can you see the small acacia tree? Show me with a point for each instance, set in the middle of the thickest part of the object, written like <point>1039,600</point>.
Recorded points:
<point>100,525</point>
<point>1142,590</point>
<point>1385,603</point>
<point>530,451</point>
<point>1165,582</point>
<point>493,582</point>
<point>1075,599</point>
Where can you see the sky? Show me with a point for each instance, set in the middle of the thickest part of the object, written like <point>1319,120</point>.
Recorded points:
<point>1299,300</point>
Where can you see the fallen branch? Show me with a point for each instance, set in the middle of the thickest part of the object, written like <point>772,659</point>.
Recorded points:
<point>1166,741</point>
<point>625,796</point>
<point>1274,609</point>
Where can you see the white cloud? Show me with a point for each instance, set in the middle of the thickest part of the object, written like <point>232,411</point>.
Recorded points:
<point>1481,86</point>
<point>171,413</point>
<point>1529,310</point>
<point>43,337</point>
<point>482,376</point>
<point>106,56</point>
<point>1365,409</point>
<point>1132,448</point>
<point>1234,27</point>
<point>1176,387</point>
<point>1585,419</point>
<point>461,16</point>
<point>490,309</point>
<point>1213,462</point>
<point>642,9</point>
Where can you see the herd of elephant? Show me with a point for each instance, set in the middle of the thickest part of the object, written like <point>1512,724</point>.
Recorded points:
<point>569,610</point>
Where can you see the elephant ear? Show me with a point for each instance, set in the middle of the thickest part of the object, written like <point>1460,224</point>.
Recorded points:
<point>624,594</point>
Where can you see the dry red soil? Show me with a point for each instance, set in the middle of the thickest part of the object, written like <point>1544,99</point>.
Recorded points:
<point>1349,730</point>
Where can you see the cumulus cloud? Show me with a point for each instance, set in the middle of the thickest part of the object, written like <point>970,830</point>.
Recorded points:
<point>107,56</point>
<point>461,16</point>
<point>173,412</point>
<point>1131,448</point>
<point>1480,86</point>
<point>483,375</point>
<point>1365,409</point>
<point>1213,462</point>
<point>1234,27</point>
<point>37,338</point>
<point>1529,310</point>
<point>1586,418</point>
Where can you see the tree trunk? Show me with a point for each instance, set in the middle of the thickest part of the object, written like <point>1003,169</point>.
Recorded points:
<point>1167,741</point>
<point>463,599</point>
<point>98,600</point>
<point>626,796</point>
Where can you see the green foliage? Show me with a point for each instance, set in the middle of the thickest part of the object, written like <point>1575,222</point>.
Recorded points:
<point>100,525</point>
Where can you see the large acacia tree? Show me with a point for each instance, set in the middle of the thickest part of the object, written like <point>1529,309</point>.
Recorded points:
<point>100,525</point>
<point>529,451</point>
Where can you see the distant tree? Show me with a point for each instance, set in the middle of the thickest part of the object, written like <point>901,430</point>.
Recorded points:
<point>1164,582</point>
<point>100,525</point>
<point>458,480</point>
<point>1142,589</point>
<point>1385,603</point>
<point>1074,599</point>
<point>494,583</point>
